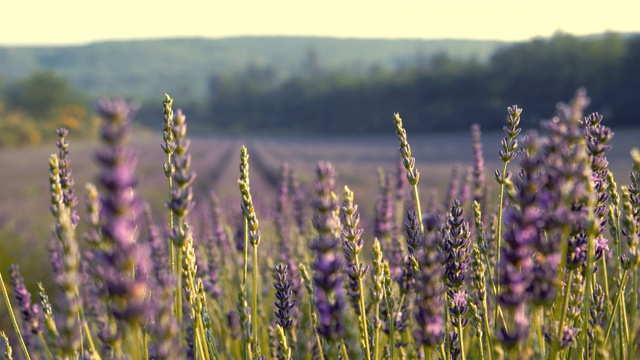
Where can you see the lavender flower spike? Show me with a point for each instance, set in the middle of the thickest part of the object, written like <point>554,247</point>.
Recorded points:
<point>120,206</point>
<point>327,265</point>
<point>283,297</point>
<point>30,312</point>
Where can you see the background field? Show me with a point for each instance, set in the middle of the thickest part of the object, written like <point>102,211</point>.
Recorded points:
<point>25,222</point>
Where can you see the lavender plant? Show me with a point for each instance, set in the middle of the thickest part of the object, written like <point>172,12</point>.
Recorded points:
<point>550,273</point>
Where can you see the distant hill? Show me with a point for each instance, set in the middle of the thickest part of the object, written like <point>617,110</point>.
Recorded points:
<point>147,68</point>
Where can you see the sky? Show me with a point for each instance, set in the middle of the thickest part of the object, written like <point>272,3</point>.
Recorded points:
<point>65,22</point>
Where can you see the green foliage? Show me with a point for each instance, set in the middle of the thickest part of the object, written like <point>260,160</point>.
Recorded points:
<point>32,108</point>
<point>131,68</point>
<point>441,94</point>
<point>39,95</point>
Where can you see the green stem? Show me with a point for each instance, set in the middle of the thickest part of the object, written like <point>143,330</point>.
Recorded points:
<point>203,338</point>
<point>45,346</point>
<point>376,337</point>
<point>625,324</point>
<point>391,321</point>
<point>461,337</point>
<point>245,256</point>
<point>343,350</point>
<point>418,207</point>
<point>499,238</point>
<point>363,314</point>
<point>172,247</point>
<point>487,329</point>
<point>539,319</point>
<point>145,344</point>
<point>588,277</point>
<point>87,331</point>
<point>606,284</point>
<point>178,305</point>
<point>254,311</point>
<point>443,353</point>
<point>634,311</point>
<point>319,342</point>
<point>565,305</point>
<point>480,346</point>
<point>13,318</point>
<point>615,305</point>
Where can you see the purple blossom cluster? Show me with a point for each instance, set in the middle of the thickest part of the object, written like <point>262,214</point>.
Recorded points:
<point>125,262</point>
<point>327,265</point>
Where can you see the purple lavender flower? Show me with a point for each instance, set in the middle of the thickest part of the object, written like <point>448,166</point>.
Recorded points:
<point>414,238</point>
<point>518,331</point>
<point>479,183</point>
<point>384,225</point>
<point>283,217</point>
<point>163,325</point>
<point>300,204</point>
<point>352,244</point>
<point>456,248</point>
<point>65,257</point>
<point>385,228</point>
<point>327,264</point>
<point>120,207</point>
<point>516,266</point>
<point>29,312</point>
<point>430,327</point>
<point>454,185</point>
<point>233,322</point>
<point>283,297</point>
<point>598,136</point>
<point>66,178</point>
<point>401,185</point>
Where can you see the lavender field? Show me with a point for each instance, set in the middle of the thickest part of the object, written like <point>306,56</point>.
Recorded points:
<point>514,245</point>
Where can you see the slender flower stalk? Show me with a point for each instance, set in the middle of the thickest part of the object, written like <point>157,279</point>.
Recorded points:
<point>507,154</point>
<point>308,284</point>
<point>409,164</point>
<point>352,246</point>
<point>192,286</point>
<point>181,197</point>
<point>390,304</point>
<point>28,311</point>
<point>169,147</point>
<point>47,314</point>
<point>377,295</point>
<point>16,328</point>
<point>430,325</point>
<point>67,277</point>
<point>478,269</point>
<point>401,187</point>
<point>253,233</point>
<point>479,186</point>
<point>456,246</point>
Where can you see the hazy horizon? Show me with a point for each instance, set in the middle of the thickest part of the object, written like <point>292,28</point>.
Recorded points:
<point>75,22</point>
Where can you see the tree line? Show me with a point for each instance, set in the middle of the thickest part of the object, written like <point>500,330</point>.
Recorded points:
<point>33,108</point>
<point>441,94</point>
<point>435,93</point>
